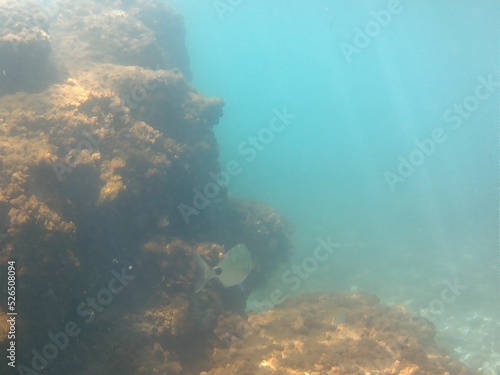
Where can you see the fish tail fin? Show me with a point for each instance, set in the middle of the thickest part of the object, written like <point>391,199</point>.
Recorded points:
<point>206,273</point>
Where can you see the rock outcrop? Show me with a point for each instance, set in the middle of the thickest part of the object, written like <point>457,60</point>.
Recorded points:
<point>337,334</point>
<point>96,160</point>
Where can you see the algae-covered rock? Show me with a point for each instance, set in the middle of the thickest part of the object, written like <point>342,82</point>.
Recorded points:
<point>318,334</point>
<point>95,161</point>
<point>25,45</point>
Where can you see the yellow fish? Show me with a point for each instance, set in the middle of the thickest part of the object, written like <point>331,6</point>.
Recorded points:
<point>233,268</point>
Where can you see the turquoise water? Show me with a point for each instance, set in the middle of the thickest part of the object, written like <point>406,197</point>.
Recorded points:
<point>372,127</point>
<point>390,146</point>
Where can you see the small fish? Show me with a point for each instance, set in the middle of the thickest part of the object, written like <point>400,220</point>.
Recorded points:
<point>233,269</point>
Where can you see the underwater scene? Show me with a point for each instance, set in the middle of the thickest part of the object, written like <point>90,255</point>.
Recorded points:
<point>266,187</point>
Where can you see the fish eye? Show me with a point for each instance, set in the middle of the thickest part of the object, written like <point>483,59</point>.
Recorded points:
<point>218,270</point>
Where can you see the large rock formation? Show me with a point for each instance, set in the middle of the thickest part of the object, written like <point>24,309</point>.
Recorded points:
<point>101,164</point>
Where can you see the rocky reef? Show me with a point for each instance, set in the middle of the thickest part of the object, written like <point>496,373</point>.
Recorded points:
<point>96,159</point>
<point>110,182</point>
<point>336,334</point>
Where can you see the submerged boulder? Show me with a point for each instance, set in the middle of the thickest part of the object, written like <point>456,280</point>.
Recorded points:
<point>330,334</point>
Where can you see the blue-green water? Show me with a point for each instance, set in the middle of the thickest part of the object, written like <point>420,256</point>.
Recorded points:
<point>417,91</point>
<point>372,127</point>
